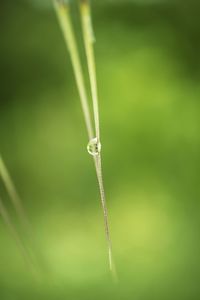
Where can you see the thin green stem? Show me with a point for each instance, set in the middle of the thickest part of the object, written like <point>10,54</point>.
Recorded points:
<point>62,10</point>
<point>14,233</point>
<point>88,36</point>
<point>98,167</point>
<point>10,187</point>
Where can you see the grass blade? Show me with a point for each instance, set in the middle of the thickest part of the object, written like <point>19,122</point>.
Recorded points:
<point>62,10</point>
<point>12,192</point>
<point>6,218</point>
<point>88,35</point>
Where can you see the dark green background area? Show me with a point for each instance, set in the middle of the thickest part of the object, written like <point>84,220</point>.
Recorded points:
<point>148,69</point>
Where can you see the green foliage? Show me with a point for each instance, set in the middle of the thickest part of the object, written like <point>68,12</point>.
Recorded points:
<point>148,74</point>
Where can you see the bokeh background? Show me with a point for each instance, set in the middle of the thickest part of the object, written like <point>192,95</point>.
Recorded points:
<point>148,69</point>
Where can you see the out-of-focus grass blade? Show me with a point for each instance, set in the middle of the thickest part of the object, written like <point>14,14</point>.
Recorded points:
<point>35,253</point>
<point>10,187</point>
<point>6,218</point>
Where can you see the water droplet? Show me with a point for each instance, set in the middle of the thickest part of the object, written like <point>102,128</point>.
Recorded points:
<point>94,147</point>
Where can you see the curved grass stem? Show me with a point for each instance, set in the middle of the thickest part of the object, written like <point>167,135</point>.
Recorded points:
<point>7,220</point>
<point>12,192</point>
<point>63,14</point>
<point>88,35</point>
<point>62,10</point>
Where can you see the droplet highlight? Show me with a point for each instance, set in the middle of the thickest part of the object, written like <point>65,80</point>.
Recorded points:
<point>94,147</point>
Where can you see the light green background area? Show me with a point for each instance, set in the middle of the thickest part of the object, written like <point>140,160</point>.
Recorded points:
<point>148,77</point>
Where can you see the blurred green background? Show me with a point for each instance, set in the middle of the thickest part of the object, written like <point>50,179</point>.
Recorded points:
<point>148,70</point>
